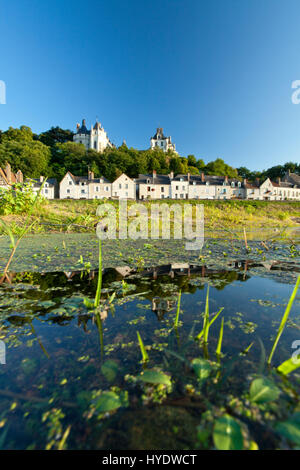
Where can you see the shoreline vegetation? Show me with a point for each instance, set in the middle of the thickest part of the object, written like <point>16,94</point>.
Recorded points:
<point>73,216</point>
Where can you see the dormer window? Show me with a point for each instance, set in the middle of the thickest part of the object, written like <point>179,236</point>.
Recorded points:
<point>232,184</point>
<point>239,184</point>
<point>207,183</point>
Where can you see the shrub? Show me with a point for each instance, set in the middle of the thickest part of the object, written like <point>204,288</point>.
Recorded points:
<point>16,200</point>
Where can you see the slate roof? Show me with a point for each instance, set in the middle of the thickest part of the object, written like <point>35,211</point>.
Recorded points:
<point>149,179</point>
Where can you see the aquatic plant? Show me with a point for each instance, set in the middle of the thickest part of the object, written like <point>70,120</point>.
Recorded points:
<point>142,348</point>
<point>178,310</point>
<point>284,319</point>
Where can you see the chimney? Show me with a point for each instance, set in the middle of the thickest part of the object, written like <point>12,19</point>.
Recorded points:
<point>154,174</point>
<point>19,176</point>
<point>245,181</point>
<point>8,172</point>
<point>226,179</point>
<point>171,175</point>
<point>41,179</point>
<point>202,177</point>
<point>189,177</point>
<point>91,175</point>
<point>77,125</point>
<point>278,180</point>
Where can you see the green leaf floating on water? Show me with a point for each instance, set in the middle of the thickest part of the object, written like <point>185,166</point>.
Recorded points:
<point>227,434</point>
<point>153,376</point>
<point>263,390</point>
<point>289,366</point>
<point>290,429</point>
<point>202,368</point>
<point>110,369</point>
<point>108,401</point>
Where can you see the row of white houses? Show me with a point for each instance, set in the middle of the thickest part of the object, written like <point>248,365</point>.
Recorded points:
<point>154,186</point>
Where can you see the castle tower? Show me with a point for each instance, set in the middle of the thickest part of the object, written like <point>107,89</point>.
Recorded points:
<point>161,142</point>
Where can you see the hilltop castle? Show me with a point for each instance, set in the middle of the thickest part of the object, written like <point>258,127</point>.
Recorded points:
<point>96,138</point>
<point>162,142</point>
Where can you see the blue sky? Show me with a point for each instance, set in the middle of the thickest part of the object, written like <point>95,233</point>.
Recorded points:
<point>215,74</point>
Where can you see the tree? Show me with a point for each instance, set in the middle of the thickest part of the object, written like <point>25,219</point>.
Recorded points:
<point>55,135</point>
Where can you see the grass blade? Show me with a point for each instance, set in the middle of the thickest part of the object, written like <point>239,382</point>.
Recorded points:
<point>284,319</point>
<point>99,283</point>
<point>199,336</point>
<point>219,346</point>
<point>142,347</point>
<point>9,232</point>
<point>206,317</point>
<point>178,310</point>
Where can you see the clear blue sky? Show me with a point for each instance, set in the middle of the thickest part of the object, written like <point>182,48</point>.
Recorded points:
<point>215,74</point>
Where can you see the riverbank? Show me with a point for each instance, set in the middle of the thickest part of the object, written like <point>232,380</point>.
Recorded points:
<point>73,216</point>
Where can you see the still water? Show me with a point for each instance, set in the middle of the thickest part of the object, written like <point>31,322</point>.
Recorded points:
<point>58,357</point>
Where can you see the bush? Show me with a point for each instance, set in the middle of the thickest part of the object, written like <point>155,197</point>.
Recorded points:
<point>17,200</point>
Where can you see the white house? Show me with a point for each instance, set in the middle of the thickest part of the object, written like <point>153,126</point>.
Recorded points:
<point>49,190</point>
<point>154,186</point>
<point>82,187</point>
<point>123,187</point>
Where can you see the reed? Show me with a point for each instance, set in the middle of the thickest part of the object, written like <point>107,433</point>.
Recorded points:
<point>284,319</point>
<point>178,310</point>
<point>99,283</point>
<point>142,348</point>
<point>219,346</point>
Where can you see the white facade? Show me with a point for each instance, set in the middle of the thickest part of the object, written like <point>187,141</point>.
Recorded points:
<point>161,142</point>
<point>75,187</point>
<point>96,138</point>
<point>123,187</point>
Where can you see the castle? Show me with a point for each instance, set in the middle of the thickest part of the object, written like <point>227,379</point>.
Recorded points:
<point>159,140</point>
<point>97,139</point>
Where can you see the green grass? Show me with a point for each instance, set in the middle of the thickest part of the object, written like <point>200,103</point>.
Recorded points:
<point>80,216</point>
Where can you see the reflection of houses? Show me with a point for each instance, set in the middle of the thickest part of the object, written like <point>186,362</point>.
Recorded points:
<point>160,306</point>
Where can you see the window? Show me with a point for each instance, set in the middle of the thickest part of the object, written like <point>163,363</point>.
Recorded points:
<point>95,145</point>
<point>120,186</point>
<point>97,188</point>
<point>162,189</point>
<point>183,188</point>
<point>148,188</point>
<point>70,183</point>
<point>46,191</point>
<point>126,186</point>
<point>177,187</point>
<point>68,191</point>
<point>106,188</point>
